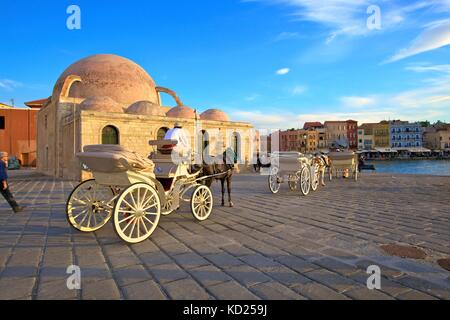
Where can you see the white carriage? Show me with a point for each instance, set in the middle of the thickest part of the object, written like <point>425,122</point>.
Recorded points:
<point>343,163</point>
<point>134,190</point>
<point>295,168</point>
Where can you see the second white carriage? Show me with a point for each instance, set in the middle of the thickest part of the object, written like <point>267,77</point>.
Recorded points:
<point>296,169</point>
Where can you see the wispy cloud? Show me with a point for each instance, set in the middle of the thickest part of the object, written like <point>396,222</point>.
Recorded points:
<point>349,17</point>
<point>358,102</point>
<point>288,36</point>
<point>283,71</point>
<point>434,36</point>
<point>9,85</point>
<point>298,90</point>
<point>252,97</point>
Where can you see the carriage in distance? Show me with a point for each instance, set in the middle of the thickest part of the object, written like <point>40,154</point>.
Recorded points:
<point>295,168</point>
<point>134,190</point>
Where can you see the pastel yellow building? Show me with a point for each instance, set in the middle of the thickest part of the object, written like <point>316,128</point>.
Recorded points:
<point>381,135</point>
<point>107,99</point>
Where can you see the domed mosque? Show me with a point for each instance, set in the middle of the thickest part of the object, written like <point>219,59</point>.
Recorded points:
<point>108,99</point>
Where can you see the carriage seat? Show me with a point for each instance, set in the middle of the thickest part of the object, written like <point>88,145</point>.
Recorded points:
<point>114,158</point>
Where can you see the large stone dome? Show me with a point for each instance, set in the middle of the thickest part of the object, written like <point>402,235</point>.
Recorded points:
<point>107,75</point>
<point>181,112</point>
<point>101,104</point>
<point>214,114</point>
<point>146,108</point>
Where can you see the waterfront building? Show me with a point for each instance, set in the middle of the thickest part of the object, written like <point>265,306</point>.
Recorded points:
<point>405,135</point>
<point>437,138</point>
<point>367,136</point>
<point>299,140</point>
<point>360,138</point>
<point>18,133</point>
<point>336,134</point>
<point>107,99</point>
<point>341,134</point>
<point>352,133</point>
<point>381,135</point>
<point>321,132</point>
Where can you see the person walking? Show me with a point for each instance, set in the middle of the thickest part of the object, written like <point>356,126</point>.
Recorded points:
<point>4,187</point>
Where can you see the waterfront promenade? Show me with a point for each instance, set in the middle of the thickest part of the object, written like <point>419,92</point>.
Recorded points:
<point>280,246</point>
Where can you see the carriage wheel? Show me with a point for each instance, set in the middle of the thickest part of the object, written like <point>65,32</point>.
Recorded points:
<point>89,206</point>
<point>167,208</point>
<point>137,212</point>
<point>201,203</point>
<point>315,181</point>
<point>274,181</point>
<point>305,181</point>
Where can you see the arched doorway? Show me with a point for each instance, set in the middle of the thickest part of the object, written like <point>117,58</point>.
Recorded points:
<point>236,146</point>
<point>161,133</point>
<point>110,135</point>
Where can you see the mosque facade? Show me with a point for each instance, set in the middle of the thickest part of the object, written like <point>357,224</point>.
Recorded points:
<point>108,99</point>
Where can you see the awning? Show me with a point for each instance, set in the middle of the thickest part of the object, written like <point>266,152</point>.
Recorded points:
<point>419,149</point>
<point>385,150</point>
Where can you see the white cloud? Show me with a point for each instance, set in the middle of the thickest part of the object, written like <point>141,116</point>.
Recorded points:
<point>252,97</point>
<point>349,17</point>
<point>434,36</point>
<point>9,85</point>
<point>283,71</point>
<point>298,90</point>
<point>357,102</point>
<point>288,36</point>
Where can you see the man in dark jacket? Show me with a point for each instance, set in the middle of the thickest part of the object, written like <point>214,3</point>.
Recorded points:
<point>4,188</point>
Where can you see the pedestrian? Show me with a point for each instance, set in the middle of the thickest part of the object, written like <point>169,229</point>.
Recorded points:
<point>4,187</point>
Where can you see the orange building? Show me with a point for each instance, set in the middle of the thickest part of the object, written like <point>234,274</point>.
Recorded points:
<point>18,133</point>
<point>299,140</point>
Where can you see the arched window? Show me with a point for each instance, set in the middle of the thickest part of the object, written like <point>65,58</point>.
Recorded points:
<point>110,135</point>
<point>161,133</point>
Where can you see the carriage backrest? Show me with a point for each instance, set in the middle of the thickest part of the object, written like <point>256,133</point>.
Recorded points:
<point>342,158</point>
<point>112,158</point>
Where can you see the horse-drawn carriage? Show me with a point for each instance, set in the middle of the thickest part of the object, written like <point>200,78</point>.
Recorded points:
<point>134,190</point>
<point>343,163</point>
<point>295,168</point>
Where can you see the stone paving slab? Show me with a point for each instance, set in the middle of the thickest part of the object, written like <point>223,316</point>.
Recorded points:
<point>282,246</point>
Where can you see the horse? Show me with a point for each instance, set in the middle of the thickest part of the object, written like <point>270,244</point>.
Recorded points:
<point>223,171</point>
<point>322,162</point>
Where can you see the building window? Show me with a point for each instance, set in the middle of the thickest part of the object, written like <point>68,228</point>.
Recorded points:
<point>161,133</point>
<point>2,123</point>
<point>110,135</point>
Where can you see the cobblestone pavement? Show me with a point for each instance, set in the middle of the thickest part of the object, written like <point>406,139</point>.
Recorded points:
<point>280,246</point>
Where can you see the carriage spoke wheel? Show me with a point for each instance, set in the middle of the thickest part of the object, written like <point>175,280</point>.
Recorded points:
<point>274,181</point>
<point>89,206</point>
<point>305,181</point>
<point>201,203</point>
<point>167,208</point>
<point>315,181</point>
<point>137,213</point>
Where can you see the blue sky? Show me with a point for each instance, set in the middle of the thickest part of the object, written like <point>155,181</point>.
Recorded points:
<point>275,63</point>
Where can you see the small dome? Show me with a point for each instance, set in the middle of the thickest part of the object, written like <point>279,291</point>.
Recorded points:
<point>181,112</point>
<point>146,108</point>
<point>214,114</point>
<point>105,104</point>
